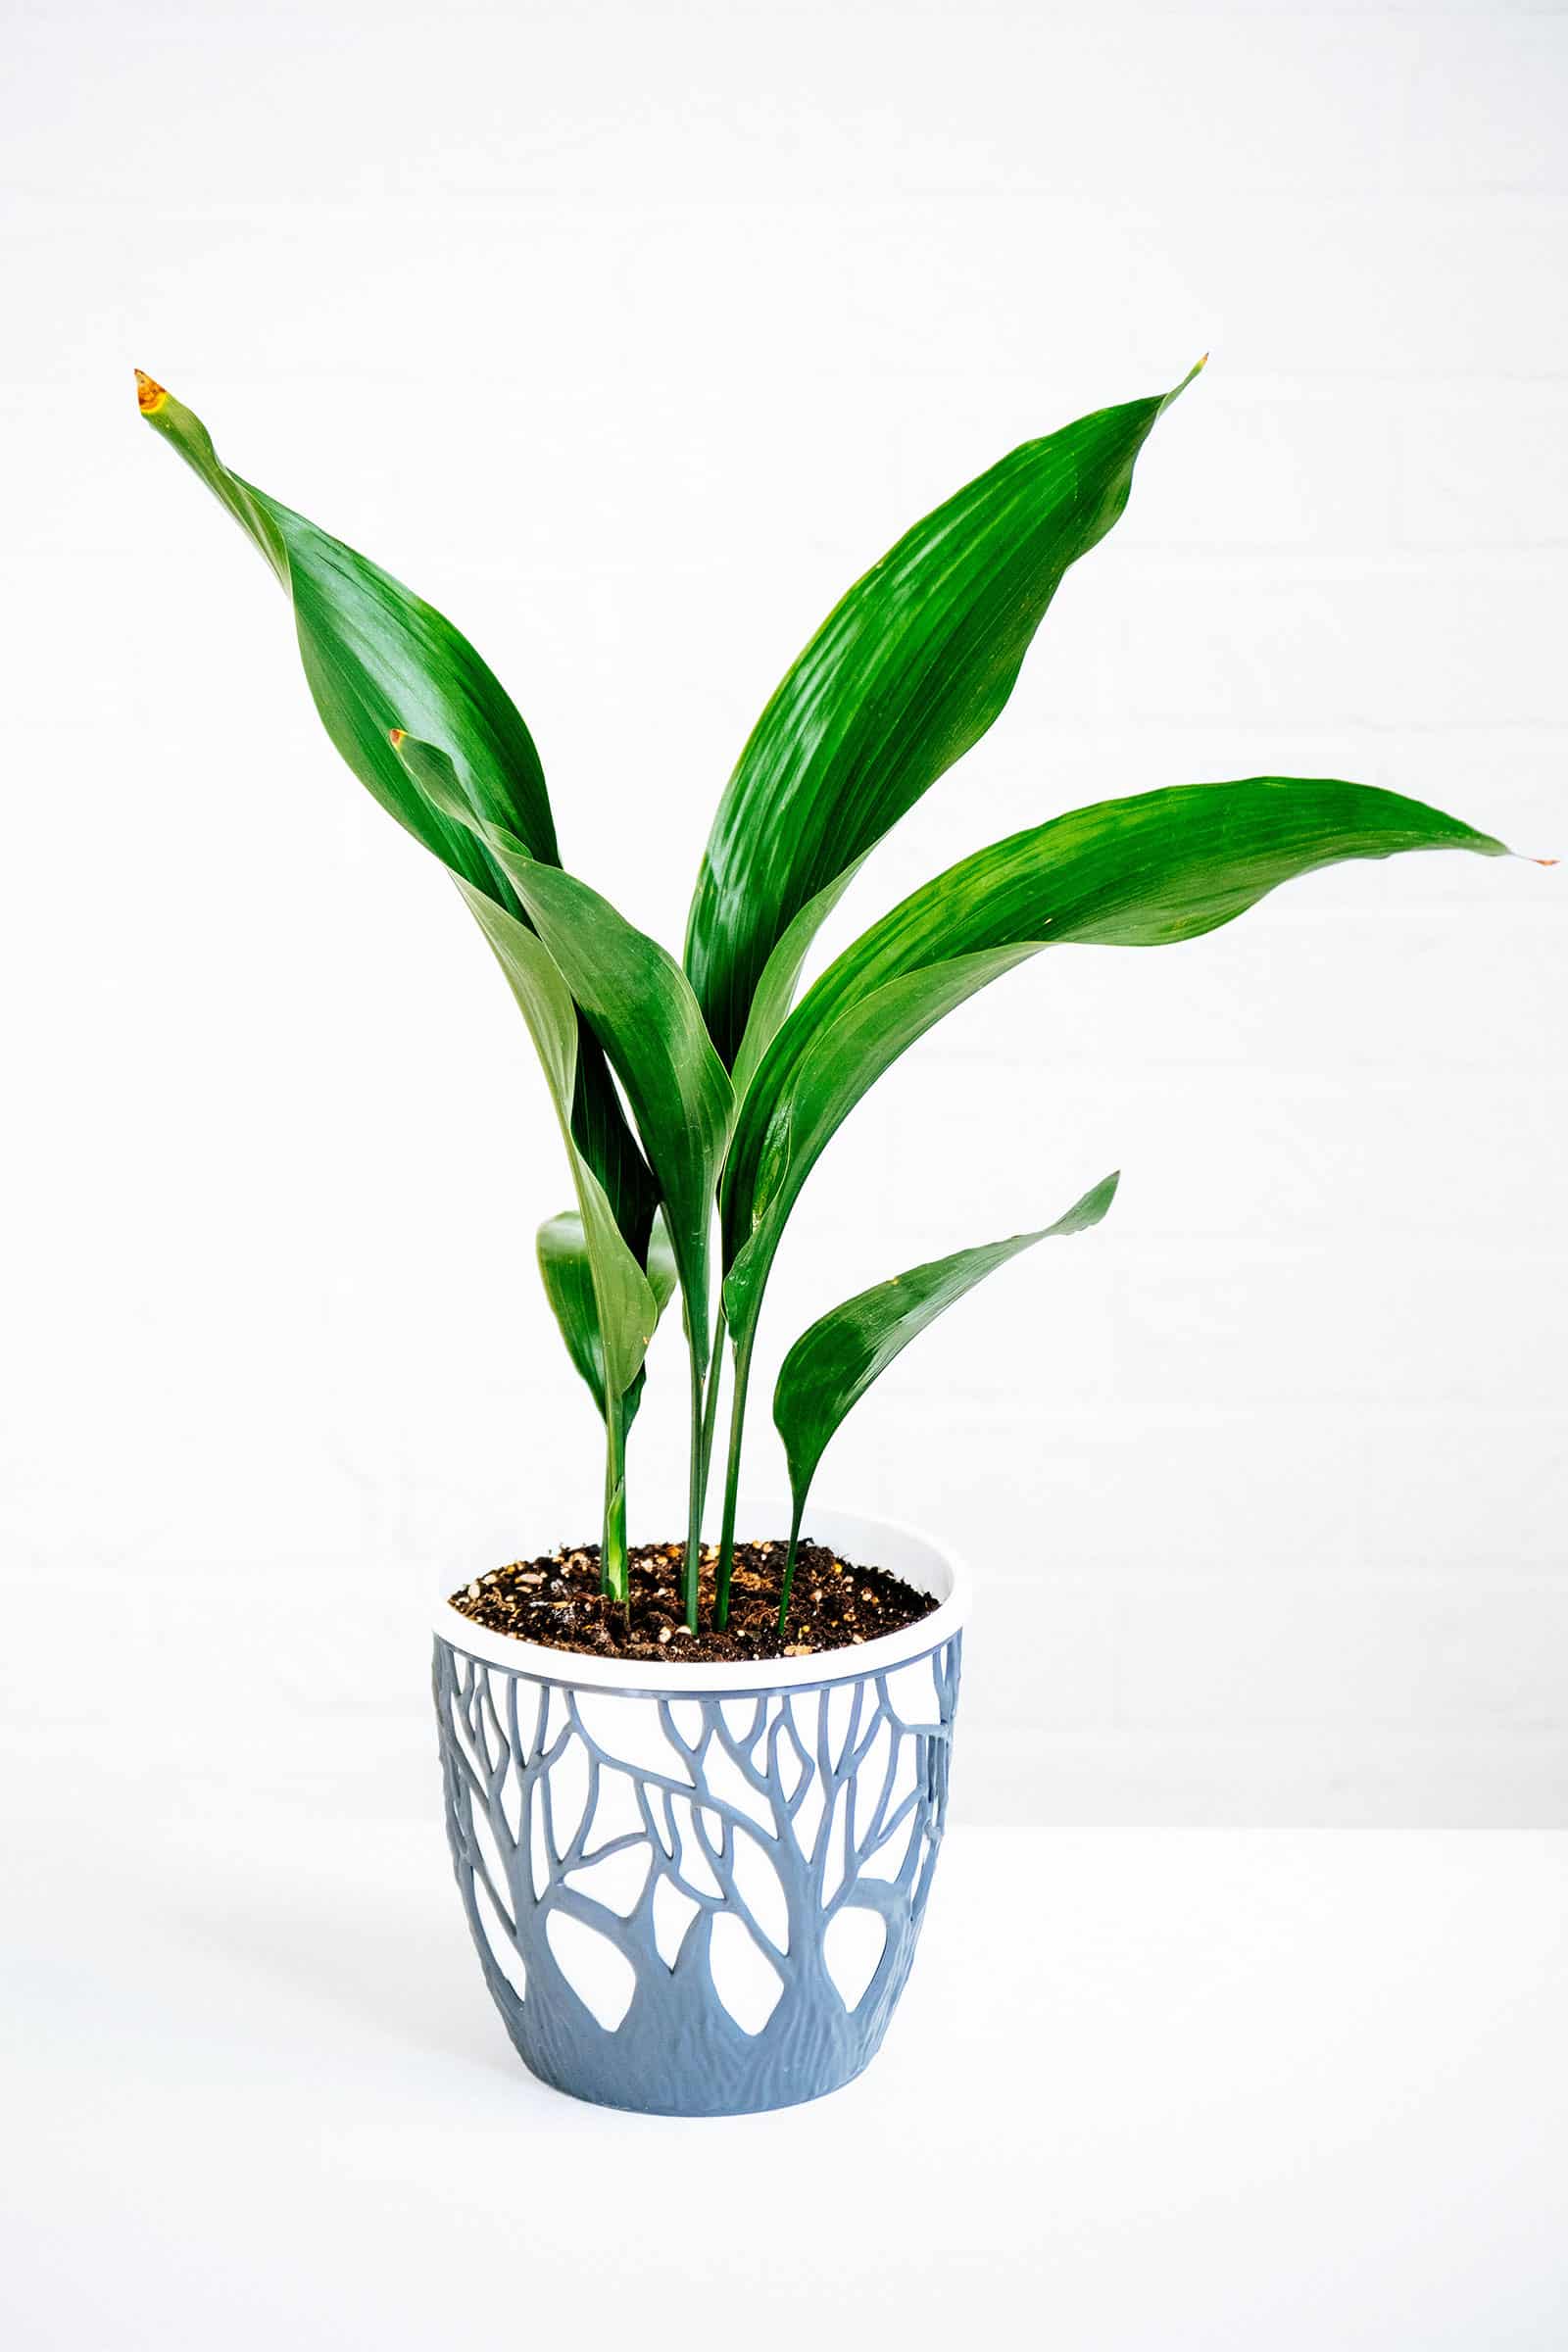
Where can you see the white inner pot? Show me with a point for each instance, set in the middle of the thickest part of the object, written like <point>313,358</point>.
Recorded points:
<point>865,1542</point>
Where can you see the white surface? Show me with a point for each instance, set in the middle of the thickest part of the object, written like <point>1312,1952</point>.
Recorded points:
<point>1148,2091</point>
<point>631,333</point>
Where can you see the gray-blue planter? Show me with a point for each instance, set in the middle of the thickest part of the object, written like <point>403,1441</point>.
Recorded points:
<point>698,1892</point>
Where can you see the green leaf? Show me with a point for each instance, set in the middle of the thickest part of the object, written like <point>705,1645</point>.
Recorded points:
<point>623,1302</point>
<point>562,1249</point>
<point>844,1062</point>
<point>662,1270</point>
<point>776,991</point>
<point>640,1006</point>
<point>902,677</point>
<point>377,656</point>
<point>1140,873</point>
<point>377,659</point>
<point>567,1276</point>
<point>830,1366</point>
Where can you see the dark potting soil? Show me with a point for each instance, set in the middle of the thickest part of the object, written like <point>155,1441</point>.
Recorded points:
<point>833,1604</point>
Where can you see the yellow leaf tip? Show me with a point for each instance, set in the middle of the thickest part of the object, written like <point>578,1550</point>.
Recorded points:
<point>1190,378</point>
<point>150,396</point>
<point>1546,862</point>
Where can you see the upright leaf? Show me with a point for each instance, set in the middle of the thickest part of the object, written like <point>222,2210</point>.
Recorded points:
<point>561,1249</point>
<point>776,991</point>
<point>566,1271</point>
<point>640,1006</point>
<point>902,677</point>
<point>1140,873</point>
<point>830,1366</point>
<point>624,1306</point>
<point>639,1003</point>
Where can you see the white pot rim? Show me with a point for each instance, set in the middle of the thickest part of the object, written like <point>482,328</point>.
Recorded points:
<point>929,1564</point>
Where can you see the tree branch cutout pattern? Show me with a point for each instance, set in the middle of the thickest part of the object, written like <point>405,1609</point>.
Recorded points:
<point>695,1905</point>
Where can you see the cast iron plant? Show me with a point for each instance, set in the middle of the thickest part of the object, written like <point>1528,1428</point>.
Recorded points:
<point>734,1088</point>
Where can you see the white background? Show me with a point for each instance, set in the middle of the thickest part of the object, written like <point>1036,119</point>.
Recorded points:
<point>629,335</point>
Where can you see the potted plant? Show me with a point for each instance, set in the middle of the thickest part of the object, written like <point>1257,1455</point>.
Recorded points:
<point>695,1794</point>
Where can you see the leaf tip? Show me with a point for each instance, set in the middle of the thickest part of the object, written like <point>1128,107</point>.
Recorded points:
<point>150,395</point>
<point>1191,377</point>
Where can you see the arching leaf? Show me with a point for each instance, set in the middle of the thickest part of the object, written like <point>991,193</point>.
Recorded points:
<point>1140,873</point>
<point>902,677</point>
<point>844,1061</point>
<point>830,1366</point>
<point>378,657</point>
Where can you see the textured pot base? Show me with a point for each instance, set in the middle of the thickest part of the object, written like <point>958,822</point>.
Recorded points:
<point>758,1847</point>
<point>769,2072</point>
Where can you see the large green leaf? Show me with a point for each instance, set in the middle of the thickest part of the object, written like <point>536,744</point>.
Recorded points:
<point>907,672</point>
<point>830,1366</point>
<point>1142,872</point>
<point>378,659</point>
<point>566,1272</point>
<point>844,1061</point>
<point>776,991</point>
<point>640,1006</point>
<point>624,1308</point>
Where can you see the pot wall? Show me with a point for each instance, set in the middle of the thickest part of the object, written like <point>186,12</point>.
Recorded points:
<point>701,1894</point>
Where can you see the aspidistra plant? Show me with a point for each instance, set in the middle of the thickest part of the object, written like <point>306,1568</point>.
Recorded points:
<point>733,1088</point>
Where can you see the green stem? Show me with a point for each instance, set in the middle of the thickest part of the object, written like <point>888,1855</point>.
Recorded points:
<point>695,1493</point>
<point>789,1564</point>
<point>612,1573</point>
<point>732,1479</point>
<point>711,1403</point>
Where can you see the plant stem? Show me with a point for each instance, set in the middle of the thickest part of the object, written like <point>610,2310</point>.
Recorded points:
<point>789,1564</point>
<point>612,1575</point>
<point>711,1404</point>
<point>732,1479</point>
<point>695,1493</point>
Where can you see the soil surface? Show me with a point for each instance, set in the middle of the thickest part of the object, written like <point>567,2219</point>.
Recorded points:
<point>833,1604</point>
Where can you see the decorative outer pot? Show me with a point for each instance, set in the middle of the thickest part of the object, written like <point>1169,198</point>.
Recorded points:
<point>696,1891</point>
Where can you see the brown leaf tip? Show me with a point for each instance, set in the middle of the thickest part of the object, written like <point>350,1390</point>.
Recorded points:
<point>150,396</point>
